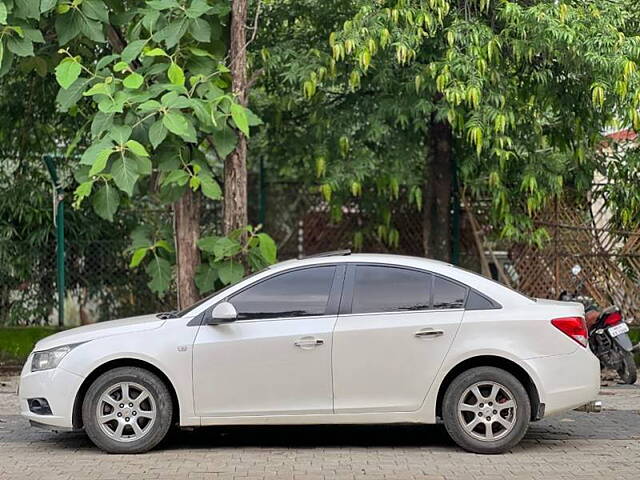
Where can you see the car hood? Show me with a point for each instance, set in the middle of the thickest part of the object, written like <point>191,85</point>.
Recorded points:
<point>99,330</point>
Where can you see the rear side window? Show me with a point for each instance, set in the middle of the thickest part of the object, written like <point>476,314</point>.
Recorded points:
<point>448,294</point>
<point>299,293</point>
<point>479,302</point>
<point>389,289</point>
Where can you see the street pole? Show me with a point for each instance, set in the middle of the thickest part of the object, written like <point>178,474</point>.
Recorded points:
<point>58,205</point>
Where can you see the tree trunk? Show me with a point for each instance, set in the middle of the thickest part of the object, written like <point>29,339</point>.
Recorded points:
<point>187,232</point>
<point>235,165</point>
<point>436,226</point>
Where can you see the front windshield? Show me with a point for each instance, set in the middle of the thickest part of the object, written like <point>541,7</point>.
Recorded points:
<point>186,311</point>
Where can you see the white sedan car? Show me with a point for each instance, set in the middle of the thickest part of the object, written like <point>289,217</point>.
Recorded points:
<point>324,340</point>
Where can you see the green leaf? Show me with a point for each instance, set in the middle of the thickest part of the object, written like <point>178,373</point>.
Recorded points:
<point>132,50</point>
<point>137,148</point>
<point>172,33</point>
<point>230,272</point>
<point>46,5</point>
<point>197,8</point>
<point>100,162</point>
<point>133,81</point>
<point>178,124</point>
<point>137,257</point>
<point>162,4</point>
<point>92,29</point>
<point>159,270</point>
<point>200,30</point>
<point>120,134</point>
<point>98,89</point>
<point>144,165</point>
<point>96,9</point>
<point>106,202</point>
<point>210,187</point>
<point>69,97</point>
<point>268,248</point>
<point>156,52</point>
<point>27,9</point>
<point>125,174</point>
<point>179,177</point>
<point>67,72</point>
<point>33,34</point>
<point>120,66</point>
<point>100,123</point>
<point>175,74</point>
<point>239,116</point>
<point>226,247</point>
<point>207,244</point>
<point>224,140</point>
<point>3,14</point>
<point>90,154</point>
<point>157,133</point>
<point>68,26</point>
<point>83,191</point>
<point>23,47</point>
<point>205,278</point>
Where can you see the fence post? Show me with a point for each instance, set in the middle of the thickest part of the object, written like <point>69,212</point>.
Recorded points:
<point>58,221</point>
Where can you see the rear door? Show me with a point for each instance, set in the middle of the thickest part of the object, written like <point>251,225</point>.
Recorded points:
<point>395,327</point>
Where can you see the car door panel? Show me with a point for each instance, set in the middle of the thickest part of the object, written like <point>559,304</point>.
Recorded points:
<point>276,359</point>
<point>255,368</point>
<point>381,365</point>
<point>386,361</point>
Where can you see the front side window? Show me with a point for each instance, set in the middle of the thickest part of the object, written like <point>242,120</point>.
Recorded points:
<point>298,293</point>
<point>448,294</point>
<point>389,289</point>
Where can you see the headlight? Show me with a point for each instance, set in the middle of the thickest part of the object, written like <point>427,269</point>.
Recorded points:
<point>48,359</point>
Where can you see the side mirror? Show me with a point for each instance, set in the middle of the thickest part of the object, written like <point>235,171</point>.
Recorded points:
<point>223,313</point>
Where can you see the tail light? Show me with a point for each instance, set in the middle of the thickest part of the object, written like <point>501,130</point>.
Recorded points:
<point>613,319</point>
<point>574,327</point>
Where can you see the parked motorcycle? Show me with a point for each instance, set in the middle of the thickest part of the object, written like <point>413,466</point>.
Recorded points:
<point>608,337</point>
<point>610,342</point>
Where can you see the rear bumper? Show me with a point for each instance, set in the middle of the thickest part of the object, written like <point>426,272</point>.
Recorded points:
<point>567,381</point>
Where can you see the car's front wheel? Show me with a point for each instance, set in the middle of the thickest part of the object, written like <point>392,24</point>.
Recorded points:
<point>127,410</point>
<point>486,410</point>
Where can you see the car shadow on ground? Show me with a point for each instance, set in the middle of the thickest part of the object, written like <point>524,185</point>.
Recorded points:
<point>311,436</point>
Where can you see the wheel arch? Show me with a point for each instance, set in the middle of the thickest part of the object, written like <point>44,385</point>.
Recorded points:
<point>537,408</point>
<point>110,365</point>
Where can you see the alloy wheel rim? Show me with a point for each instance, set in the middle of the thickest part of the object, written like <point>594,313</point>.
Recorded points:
<point>487,411</point>
<point>126,411</point>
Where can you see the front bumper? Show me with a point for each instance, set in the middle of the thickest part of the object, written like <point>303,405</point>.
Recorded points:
<point>58,386</point>
<point>567,381</point>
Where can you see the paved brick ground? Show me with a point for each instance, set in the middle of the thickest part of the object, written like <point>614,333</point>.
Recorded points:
<point>572,446</point>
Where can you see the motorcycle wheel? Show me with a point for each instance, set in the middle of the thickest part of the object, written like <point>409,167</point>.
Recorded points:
<point>627,370</point>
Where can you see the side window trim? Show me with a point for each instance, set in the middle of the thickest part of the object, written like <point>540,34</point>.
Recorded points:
<point>291,270</point>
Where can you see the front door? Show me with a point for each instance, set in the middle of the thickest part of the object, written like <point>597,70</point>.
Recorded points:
<point>276,358</point>
<point>392,339</point>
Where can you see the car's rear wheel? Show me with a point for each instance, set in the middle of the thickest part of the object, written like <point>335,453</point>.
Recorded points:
<point>486,410</point>
<point>127,410</point>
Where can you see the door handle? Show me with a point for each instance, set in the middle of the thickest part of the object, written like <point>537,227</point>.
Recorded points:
<point>306,343</point>
<point>429,332</point>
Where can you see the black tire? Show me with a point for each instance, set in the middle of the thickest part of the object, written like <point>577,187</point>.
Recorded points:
<point>150,432</point>
<point>627,371</point>
<point>517,416</point>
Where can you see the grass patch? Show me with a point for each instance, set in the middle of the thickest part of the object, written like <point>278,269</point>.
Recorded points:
<point>17,342</point>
